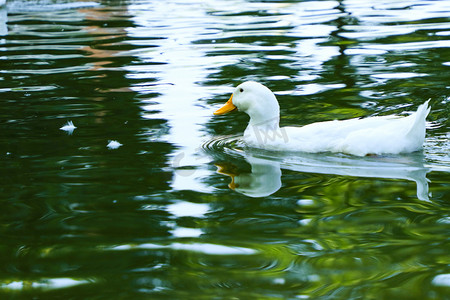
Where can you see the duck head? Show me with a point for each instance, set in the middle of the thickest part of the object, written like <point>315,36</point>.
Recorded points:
<point>255,100</point>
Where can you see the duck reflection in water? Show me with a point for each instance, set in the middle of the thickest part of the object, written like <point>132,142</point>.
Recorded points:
<point>264,178</point>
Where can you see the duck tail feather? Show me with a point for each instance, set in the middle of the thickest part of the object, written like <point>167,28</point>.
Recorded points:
<point>418,127</point>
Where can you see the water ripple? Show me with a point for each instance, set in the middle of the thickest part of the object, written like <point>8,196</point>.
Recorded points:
<point>230,144</point>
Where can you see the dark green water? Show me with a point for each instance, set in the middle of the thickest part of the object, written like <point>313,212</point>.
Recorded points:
<point>155,218</point>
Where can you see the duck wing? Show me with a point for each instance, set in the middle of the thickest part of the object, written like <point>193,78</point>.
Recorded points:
<point>373,135</point>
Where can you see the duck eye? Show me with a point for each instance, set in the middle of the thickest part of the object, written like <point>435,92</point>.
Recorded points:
<point>241,90</point>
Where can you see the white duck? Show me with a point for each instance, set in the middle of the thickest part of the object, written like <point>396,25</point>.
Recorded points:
<point>373,135</point>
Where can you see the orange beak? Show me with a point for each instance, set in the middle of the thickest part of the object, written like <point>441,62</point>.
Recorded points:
<point>227,107</point>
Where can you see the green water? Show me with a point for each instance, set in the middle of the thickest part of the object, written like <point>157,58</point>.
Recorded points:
<point>154,218</point>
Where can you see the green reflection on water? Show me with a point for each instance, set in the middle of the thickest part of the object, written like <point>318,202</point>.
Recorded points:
<point>155,218</point>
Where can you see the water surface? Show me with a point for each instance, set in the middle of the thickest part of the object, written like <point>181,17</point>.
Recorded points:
<point>151,197</point>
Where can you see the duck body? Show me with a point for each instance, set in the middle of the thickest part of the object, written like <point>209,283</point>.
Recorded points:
<point>373,135</point>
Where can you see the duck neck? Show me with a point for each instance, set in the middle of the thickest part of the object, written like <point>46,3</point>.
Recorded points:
<point>267,123</point>
<point>267,116</point>
<point>265,132</point>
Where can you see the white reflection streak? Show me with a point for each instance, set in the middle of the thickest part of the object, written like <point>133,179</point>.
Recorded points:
<point>441,280</point>
<point>3,21</point>
<point>182,232</point>
<point>185,66</point>
<point>49,284</point>
<point>188,209</point>
<point>205,248</point>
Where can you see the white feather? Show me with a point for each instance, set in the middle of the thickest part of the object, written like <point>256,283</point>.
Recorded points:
<point>69,127</point>
<point>113,145</point>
